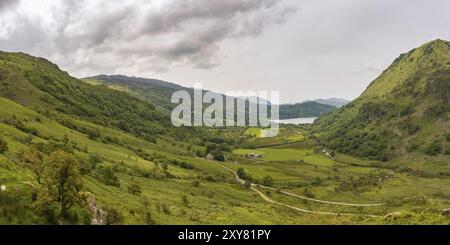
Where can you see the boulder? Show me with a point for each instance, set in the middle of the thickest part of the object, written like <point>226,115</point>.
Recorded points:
<point>446,212</point>
<point>393,215</point>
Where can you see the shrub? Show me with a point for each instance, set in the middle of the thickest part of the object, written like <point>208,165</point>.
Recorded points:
<point>107,176</point>
<point>92,163</point>
<point>165,208</point>
<point>218,156</point>
<point>267,181</point>
<point>185,201</point>
<point>186,165</point>
<point>308,193</point>
<point>247,184</point>
<point>196,183</point>
<point>433,149</point>
<point>113,217</point>
<point>93,134</point>
<point>3,146</point>
<point>406,111</point>
<point>243,174</point>
<point>134,189</point>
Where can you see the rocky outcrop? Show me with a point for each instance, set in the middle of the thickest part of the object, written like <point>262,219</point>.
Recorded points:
<point>98,215</point>
<point>446,212</point>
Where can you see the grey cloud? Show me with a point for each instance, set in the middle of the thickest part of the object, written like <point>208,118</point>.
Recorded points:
<point>178,12</point>
<point>176,33</point>
<point>7,3</point>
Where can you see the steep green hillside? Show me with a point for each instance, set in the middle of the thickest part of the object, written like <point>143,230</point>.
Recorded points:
<point>403,114</point>
<point>307,109</point>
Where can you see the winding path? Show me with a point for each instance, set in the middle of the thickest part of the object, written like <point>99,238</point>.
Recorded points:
<point>267,199</point>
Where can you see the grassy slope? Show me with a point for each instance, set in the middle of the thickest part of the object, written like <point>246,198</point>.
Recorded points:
<point>400,114</point>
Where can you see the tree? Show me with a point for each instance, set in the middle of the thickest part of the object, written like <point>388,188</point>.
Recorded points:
<point>218,156</point>
<point>3,146</point>
<point>62,180</point>
<point>243,174</point>
<point>33,159</point>
<point>267,181</point>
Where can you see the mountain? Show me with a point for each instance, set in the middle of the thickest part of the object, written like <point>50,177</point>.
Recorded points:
<point>154,91</point>
<point>336,102</point>
<point>306,109</point>
<point>159,93</point>
<point>403,114</point>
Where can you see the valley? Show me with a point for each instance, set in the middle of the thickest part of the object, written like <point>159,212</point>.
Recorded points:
<point>115,158</point>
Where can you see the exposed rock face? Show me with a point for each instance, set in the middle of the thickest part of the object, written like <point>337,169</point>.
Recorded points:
<point>98,215</point>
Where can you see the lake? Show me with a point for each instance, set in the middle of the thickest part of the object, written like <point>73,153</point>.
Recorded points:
<point>300,120</point>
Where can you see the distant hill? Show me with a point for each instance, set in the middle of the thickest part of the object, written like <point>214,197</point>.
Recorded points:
<point>306,109</point>
<point>336,102</point>
<point>155,91</point>
<point>159,93</point>
<point>404,113</point>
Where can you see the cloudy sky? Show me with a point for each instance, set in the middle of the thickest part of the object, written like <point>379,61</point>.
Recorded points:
<point>305,49</point>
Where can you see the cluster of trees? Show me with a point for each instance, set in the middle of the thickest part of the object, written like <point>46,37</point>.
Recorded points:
<point>217,151</point>
<point>58,174</point>
<point>360,143</point>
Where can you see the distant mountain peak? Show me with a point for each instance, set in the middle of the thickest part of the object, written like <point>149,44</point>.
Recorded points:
<point>336,102</point>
